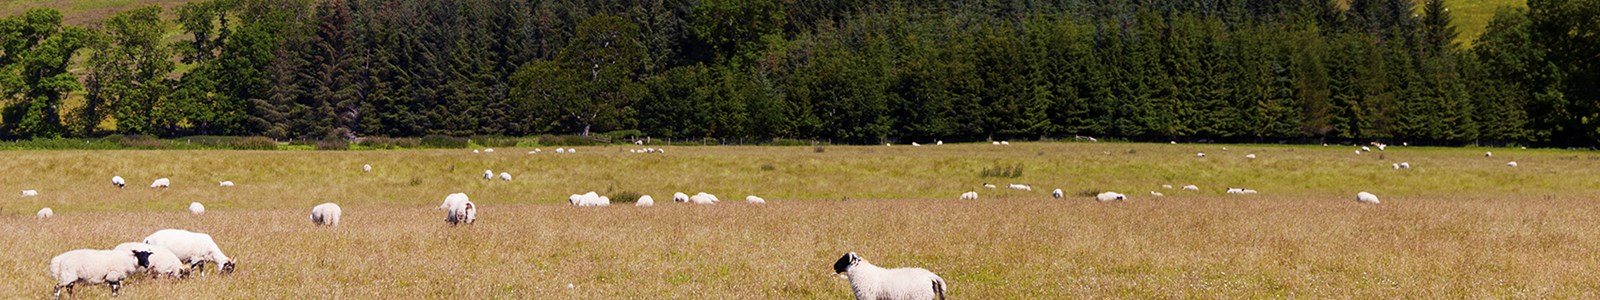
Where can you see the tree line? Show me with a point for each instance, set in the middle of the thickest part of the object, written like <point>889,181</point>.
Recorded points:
<point>847,71</point>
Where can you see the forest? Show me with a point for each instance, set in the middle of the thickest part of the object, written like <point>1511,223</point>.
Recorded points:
<point>841,71</point>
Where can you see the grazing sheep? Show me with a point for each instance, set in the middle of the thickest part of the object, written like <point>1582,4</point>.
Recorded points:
<point>938,142</point>
<point>196,208</point>
<point>1157,194</point>
<point>969,196</point>
<point>475,151</point>
<point>1021,187</point>
<point>1201,154</point>
<point>1056,194</point>
<point>1365,197</point>
<point>1005,143</point>
<point>1382,146</point>
<point>561,150</point>
<point>915,144</point>
<point>488,174</point>
<point>490,150</point>
<point>988,185</point>
<point>95,266</point>
<point>1405,165</point>
<point>161,183</point>
<point>870,282</point>
<point>366,168</point>
<point>1191,188</point>
<point>29,193</point>
<point>572,150</point>
<point>589,199</point>
<point>1511,164</point>
<point>703,198</point>
<point>1110,196</point>
<point>45,213</point>
<point>995,143</point>
<point>452,200</point>
<point>1395,166</point>
<point>1250,156</point>
<point>1358,152</point>
<point>225,184</point>
<point>1365,149</point>
<point>1166,186</point>
<point>1488,154</point>
<point>645,201</point>
<point>752,199</point>
<point>162,261</point>
<point>326,214</point>
<point>193,248</point>
<point>117,181</point>
<point>680,197</point>
<point>462,212</point>
<point>505,176</point>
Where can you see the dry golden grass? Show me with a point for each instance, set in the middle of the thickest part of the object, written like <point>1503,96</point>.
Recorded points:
<point>1457,226</point>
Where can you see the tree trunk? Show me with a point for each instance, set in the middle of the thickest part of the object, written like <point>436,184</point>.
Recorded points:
<point>586,129</point>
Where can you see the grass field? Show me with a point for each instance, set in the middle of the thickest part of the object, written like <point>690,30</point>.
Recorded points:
<point>1457,225</point>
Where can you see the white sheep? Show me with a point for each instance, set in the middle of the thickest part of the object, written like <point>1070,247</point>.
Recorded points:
<point>915,144</point>
<point>452,200</point>
<point>561,150</point>
<point>645,201</point>
<point>326,214</point>
<point>366,168</point>
<point>1191,188</point>
<point>1056,194</point>
<point>1201,154</point>
<point>196,208</point>
<point>1110,196</point>
<point>1358,152</point>
<point>680,197</point>
<point>572,150</point>
<point>1365,197</point>
<point>1005,143</point>
<point>1157,194</point>
<point>1488,154</point>
<point>589,199</point>
<point>225,184</point>
<point>475,151</point>
<point>161,183</point>
<point>703,198</point>
<point>752,199</point>
<point>163,262</point>
<point>988,185</point>
<point>505,176</point>
<point>1382,146</point>
<point>488,174</point>
<point>490,150</point>
<point>29,193</point>
<point>45,213</point>
<point>870,282</point>
<point>1250,156</point>
<point>193,248</point>
<point>1405,165</point>
<point>969,196</point>
<point>1365,149</point>
<point>1021,187</point>
<point>1224,148</point>
<point>95,266</point>
<point>117,181</point>
<point>1166,186</point>
<point>1395,166</point>
<point>1511,164</point>
<point>462,212</point>
<point>938,142</point>
<point>995,143</point>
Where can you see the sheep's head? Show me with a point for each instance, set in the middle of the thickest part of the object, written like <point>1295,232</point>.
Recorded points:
<point>227,267</point>
<point>845,262</point>
<point>143,257</point>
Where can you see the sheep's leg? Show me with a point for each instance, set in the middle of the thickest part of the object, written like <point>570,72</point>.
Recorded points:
<point>198,267</point>
<point>115,287</point>
<point>57,292</point>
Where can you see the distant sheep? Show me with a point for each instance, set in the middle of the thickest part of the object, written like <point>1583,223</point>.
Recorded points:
<point>1365,197</point>
<point>915,144</point>
<point>193,248</point>
<point>95,266</point>
<point>505,176</point>
<point>163,262</point>
<point>118,182</point>
<point>161,183</point>
<point>1358,152</point>
<point>1201,154</point>
<point>366,168</point>
<point>1020,187</point>
<point>1488,154</point>
<point>1511,164</point>
<point>703,198</point>
<point>490,150</point>
<point>1250,156</point>
<point>1365,149</point>
<point>870,282</point>
<point>969,196</point>
<point>29,193</point>
<point>752,199</point>
<point>1166,186</point>
<point>1056,194</point>
<point>475,151</point>
<point>572,150</point>
<point>1405,165</point>
<point>988,185</point>
<point>589,199</point>
<point>225,184</point>
<point>1110,196</point>
<point>1005,143</point>
<point>680,197</point>
<point>938,143</point>
<point>488,174</point>
<point>561,150</point>
<point>1191,188</point>
<point>45,213</point>
<point>1157,194</point>
<point>1395,166</point>
<point>1240,191</point>
<point>326,214</point>
<point>645,201</point>
<point>196,208</point>
<point>996,143</point>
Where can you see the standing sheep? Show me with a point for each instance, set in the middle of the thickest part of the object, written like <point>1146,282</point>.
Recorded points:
<point>117,181</point>
<point>162,261</point>
<point>1365,197</point>
<point>969,196</point>
<point>161,183</point>
<point>1110,196</point>
<point>752,199</point>
<point>193,248</point>
<point>366,168</point>
<point>95,266</point>
<point>46,213</point>
<point>452,200</point>
<point>505,176</point>
<point>29,193</point>
<point>196,208</point>
<point>870,282</point>
<point>326,214</point>
<point>645,201</point>
<point>488,174</point>
<point>1056,194</point>
<point>680,197</point>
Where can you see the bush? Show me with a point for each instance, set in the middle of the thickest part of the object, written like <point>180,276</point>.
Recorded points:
<point>819,149</point>
<point>333,144</point>
<point>443,141</point>
<point>255,143</point>
<point>626,197</point>
<point>768,167</point>
<point>143,142</point>
<point>792,142</point>
<point>389,143</point>
<point>496,140</point>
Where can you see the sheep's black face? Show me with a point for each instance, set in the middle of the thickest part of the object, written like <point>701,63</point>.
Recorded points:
<point>845,262</point>
<point>143,257</point>
<point>227,267</point>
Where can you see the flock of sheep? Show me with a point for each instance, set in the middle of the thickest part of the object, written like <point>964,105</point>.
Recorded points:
<point>170,253</point>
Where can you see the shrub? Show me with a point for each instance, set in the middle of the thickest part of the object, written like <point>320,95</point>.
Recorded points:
<point>819,149</point>
<point>496,140</point>
<point>626,196</point>
<point>389,143</point>
<point>768,167</point>
<point>333,144</point>
<point>443,141</point>
<point>255,143</point>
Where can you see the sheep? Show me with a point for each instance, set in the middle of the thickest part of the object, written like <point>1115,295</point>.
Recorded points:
<point>29,193</point>
<point>1365,149</point>
<point>505,176</point>
<point>95,266</point>
<point>196,208</point>
<point>1365,197</point>
<point>915,144</point>
<point>488,174</point>
<point>589,199</point>
<point>452,200</point>
<point>1005,143</point>
<point>1020,187</point>
<point>1056,194</point>
<point>462,212</point>
<point>703,198</point>
<point>572,150</point>
<point>1157,194</point>
<point>46,213</point>
<point>162,261</point>
<point>645,201</point>
<point>475,151</point>
<point>1240,191</point>
<point>870,282</point>
<point>1200,155</point>
<point>161,183</point>
<point>969,196</point>
<point>561,150</point>
<point>117,181</point>
<point>1191,188</point>
<point>1511,164</point>
<point>1250,156</point>
<point>988,185</point>
<point>225,184</point>
<point>1382,146</point>
<point>1395,166</point>
<point>326,214</point>
<point>680,197</point>
<point>1224,148</point>
<point>938,142</point>
<point>1109,196</point>
<point>752,199</point>
<point>995,143</point>
<point>1488,154</point>
<point>193,248</point>
<point>1248,192</point>
<point>1166,186</point>
<point>490,150</point>
<point>1405,165</point>
<point>1358,152</point>
<point>366,168</point>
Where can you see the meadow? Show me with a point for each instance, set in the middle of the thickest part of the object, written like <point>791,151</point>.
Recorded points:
<point>1456,225</point>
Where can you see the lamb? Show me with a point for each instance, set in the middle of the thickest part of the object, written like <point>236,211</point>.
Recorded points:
<point>1250,156</point>
<point>1191,188</point>
<point>193,248</point>
<point>680,197</point>
<point>161,183</point>
<point>969,196</point>
<point>870,282</point>
<point>487,174</point>
<point>162,261</point>
<point>196,208</point>
<point>366,168</point>
<point>46,213</point>
<point>1056,194</point>
<point>752,199</point>
<point>1511,164</point>
<point>95,266</point>
<point>1365,197</point>
<point>29,193</point>
<point>505,176</point>
<point>117,181</point>
<point>1021,187</point>
<point>703,198</point>
<point>1110,196</point>
<point>225,184</point>
<point>326,214</point>
<point>645,201</point>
